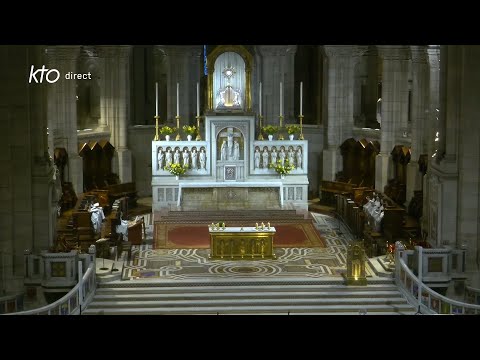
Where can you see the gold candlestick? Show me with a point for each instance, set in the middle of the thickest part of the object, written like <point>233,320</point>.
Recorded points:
<point>260,136</point>
<point>156,138</point>
<point>301,127</point>
<point>178,138</point>
<point>280,134</point>
<point>198,138</point>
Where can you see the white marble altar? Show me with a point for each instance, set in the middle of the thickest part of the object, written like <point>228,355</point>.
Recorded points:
<point>225,159</point>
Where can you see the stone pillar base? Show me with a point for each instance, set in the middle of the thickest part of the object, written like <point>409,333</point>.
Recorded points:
<point>75,172</point>
<point>331,164</point>
<point>414,180</point>
<point>383,168</point>
<point>123,159</point>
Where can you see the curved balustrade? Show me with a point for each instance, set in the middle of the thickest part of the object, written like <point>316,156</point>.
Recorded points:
<point>431,301</point>
<point>73,302</point>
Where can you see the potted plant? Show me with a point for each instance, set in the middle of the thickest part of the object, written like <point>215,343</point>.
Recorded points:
<point>176,169</point>
<point>282,169</point>
<point>292,129</point>
<point>270,130</point>
<point>190,131</point>
<point>167,131</point>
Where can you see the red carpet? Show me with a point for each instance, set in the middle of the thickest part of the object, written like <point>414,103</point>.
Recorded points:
<point>185,236</point>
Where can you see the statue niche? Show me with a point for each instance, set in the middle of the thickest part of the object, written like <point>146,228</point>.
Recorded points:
<point>230,144</point>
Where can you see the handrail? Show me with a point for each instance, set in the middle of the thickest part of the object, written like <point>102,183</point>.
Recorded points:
<point>74,301</point>
<point>431,302</point>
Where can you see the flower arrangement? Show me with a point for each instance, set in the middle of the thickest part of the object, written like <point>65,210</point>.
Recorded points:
<point>189,130</point>
<point>176,169</point>
<point>292,129</point>
<point>282,169</point>
<point>270,129</point>
<point>167,130</point>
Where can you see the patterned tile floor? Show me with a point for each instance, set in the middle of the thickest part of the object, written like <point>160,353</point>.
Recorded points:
<point>149,263</point>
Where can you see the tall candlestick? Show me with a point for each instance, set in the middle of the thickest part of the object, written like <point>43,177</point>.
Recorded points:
<point>301,98</point>
<point>178,103</point>
<point>198,99</point>
<point>281,99</point>
<point>156,99</point>
<point>260,101</point>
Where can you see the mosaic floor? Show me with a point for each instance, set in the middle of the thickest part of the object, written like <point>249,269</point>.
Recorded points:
<point>291,262</point>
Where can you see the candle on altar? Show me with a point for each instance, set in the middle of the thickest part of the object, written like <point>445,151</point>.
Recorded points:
<point>156,98</point>
<point>301,98</point>
<point>281,99</point>
<point>178,103</point>
<point>260,100</point>
<point>198,99</point>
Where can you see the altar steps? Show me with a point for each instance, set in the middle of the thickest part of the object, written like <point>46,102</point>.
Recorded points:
<point>241,297</point>
<point>248,217</point>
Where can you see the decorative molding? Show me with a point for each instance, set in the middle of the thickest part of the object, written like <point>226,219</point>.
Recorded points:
<point>419,54</point>
<point>394,52</point>
<point>275,50</point>
<point>63,53</point>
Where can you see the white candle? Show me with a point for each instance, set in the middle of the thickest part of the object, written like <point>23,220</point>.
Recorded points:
<point>198,99</point>
<point>281,99</point>
<point>178,103</point>
<point>156,98</point>
<point>301,97</point>
<point>260,100</point>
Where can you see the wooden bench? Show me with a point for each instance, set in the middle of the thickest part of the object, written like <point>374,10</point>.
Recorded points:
<point>329,189</point>
<point>123,190</point>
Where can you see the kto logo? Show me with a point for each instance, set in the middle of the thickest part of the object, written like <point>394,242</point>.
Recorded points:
<point>51,75</point>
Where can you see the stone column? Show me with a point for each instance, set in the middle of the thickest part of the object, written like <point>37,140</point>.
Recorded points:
<point>62,110</point>
<point>277,66</point>
<point>371,89</point>
<point>420,78</point>
<point>116,103</point>
<point>394,108</point>
<point>339,124</point>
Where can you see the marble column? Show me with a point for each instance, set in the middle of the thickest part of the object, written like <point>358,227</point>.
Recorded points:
<point>419,106</point>
<point>394,108</point>
<point>116,103</point>
<point>339,124</point>
<point>277,66</point>
<point>62,111</point>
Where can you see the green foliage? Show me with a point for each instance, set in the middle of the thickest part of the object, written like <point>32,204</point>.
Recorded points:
<point>189,130</point>
<point>167,130</point>
<point>176,169</point>
<point>270,129</point>
<point>282,169</point>
<point>292,129</point>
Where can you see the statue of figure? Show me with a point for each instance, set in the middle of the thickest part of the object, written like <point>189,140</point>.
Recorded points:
<point>168,158</point>
<point>265,158</point>
<point>299,158</point>
<point>185,156</point>
<point>223,151</point>
<point>194,159</point>
<point>257,159</point>
<point>160,158</point>
<point>236,150</point>
<point>282,155</point>
<point>230,145</point>
<point>291,156</point>
<point>274,156</point>
<point>176,157</point>
<point>203,159</point>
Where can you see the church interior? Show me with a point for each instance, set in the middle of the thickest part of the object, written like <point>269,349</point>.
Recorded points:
<point>245,179</point>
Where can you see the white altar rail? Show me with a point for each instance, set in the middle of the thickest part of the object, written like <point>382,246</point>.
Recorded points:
<point>75,300</point>
<point>421,296</point>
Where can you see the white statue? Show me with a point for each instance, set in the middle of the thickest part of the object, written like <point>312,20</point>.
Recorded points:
<point>176,157</point>
<point>291,156</point>
<point>223,151</point>
<point>299,158</point>
<point>168,158</point>
<point>203,159</point>
<point>274,156</point>
<point>265,158</point>
<point>282,155</point>
<point>160,157</point>
<point>230,145</point>
<point>185,156</point>
<point>194,159</point>
<point>236,150</point>
<point>257,158</point>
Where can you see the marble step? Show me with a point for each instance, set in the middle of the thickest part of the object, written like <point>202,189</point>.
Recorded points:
<point>253,310</point>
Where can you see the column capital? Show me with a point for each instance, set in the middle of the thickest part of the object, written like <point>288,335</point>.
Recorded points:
<point>276,50</point>
<point>64,52</point>
<point>433,52</point>
<point>419,54</point>
<point>394,52</point>
<point>343,50</point>
<point>111,51</point>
